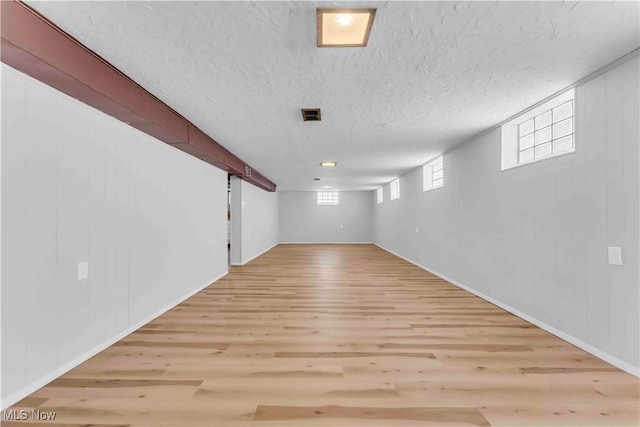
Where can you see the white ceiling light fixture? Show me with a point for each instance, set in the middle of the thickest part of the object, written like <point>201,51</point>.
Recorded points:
<point>326,187</point>
<point>344,27</point>
<point>344,19</point>
<point>328,164</point>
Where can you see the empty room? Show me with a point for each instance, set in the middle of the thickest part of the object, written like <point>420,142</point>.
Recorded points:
<point>301,213</point>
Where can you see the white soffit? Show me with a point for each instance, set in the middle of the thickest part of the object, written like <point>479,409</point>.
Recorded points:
<point>433,75</point>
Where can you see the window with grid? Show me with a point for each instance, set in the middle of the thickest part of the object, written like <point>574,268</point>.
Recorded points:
<point>328,198</point>
<point>548,133</point>
<point>395,189</point>
<point>545,131</point>
<point>379,195</point>
<point>433,174</point>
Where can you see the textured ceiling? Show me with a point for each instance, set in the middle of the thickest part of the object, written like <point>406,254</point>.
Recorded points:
<point>433,75</point>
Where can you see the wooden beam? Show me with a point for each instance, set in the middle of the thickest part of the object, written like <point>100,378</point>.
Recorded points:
<point>37,47</point>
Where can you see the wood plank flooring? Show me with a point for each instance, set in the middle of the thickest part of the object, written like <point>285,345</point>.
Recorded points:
<point>338,335</point>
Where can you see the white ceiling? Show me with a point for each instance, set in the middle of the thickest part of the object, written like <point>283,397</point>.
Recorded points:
<point>434,73</point>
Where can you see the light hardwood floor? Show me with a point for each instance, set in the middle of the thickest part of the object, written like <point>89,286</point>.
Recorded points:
<point>339,335</point>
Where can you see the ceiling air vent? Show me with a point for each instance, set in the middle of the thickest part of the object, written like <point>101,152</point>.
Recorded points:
<point>311,114</point>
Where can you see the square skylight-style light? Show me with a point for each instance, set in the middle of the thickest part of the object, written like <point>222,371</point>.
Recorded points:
<point>344,27</point>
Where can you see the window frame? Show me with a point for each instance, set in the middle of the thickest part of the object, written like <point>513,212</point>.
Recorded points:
<point>394,192</point>
<point>429,173</point>
<point>379,195</point>
<point>511,137</point>
<point>328,198</point>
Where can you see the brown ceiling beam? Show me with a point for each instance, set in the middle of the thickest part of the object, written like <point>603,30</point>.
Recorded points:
<point>37,47</point>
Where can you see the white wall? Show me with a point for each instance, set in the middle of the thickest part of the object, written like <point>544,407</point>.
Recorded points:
<point>236,221</point>
<point>254,221</point>
<point>260,226</point>
<point>78,185</point>
<point>535,238</point>
<point>303,221</point>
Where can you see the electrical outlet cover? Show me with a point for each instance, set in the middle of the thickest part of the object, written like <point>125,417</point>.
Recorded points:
<point>83,270</point>
<point>615,255</point>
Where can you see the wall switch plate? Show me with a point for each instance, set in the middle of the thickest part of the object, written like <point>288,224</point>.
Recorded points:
<point>83,270</point>
<point>615,255</point>
<point>341,227</point>
<point>417,229</point>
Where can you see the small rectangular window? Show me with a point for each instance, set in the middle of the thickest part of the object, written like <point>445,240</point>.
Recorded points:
<point>552,133</point>
<point>328,198</point>
<point>433,174</point>
<point>546,131</point>
<point>395,189</point>
<point>379,195</point>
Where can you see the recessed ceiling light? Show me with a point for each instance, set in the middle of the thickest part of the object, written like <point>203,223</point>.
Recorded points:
<point>344,27</point>
<point>326,186</point>
<point>344,19</point>
<point>328,164</point>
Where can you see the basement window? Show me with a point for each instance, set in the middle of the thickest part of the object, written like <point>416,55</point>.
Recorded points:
<point>433,174</point>
<point>545,131</point>
<point>379,195</point>
<point>328,198</point>
<point>395,189</point>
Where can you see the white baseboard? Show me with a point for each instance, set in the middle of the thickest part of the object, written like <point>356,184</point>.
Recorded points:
<point>625,366</point>
<point>255,256</point>
<point>327,243</point>
<point>43,381</point>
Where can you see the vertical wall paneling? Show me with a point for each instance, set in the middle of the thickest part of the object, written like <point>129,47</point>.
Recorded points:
<point>42,187</point>
<point>80,186</point>
<point>236,220</point>
<point>14,232</point>
<point>260,221</point>
<point>535,238</point>
<point>254,221</point>
<point>627,289</point>
<point>72,225</point>
<point>98,225</point>
<point>594,216</point>
<point>577,252</point>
